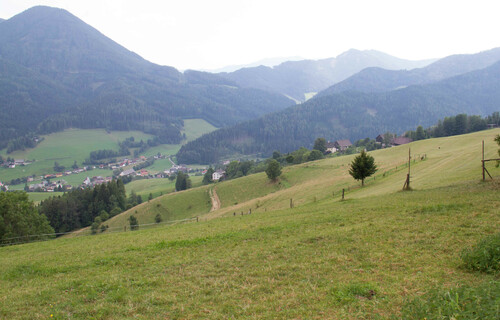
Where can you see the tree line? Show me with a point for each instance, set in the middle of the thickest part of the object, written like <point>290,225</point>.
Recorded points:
<point>78,208</point>
<point>451,126</point>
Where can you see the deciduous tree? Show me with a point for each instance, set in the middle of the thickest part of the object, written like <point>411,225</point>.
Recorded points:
<point>273,170</point>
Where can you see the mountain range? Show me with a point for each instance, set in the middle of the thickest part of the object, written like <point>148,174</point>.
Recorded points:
<point>352,115</point>
<point>65,74</point>
<point>295,79</point>
<point>58,72</point>
<point>378,80</point>
<point>269,62</point>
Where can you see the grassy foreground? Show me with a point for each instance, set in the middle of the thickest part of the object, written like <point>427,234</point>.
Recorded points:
<point>305,262</point>
<point>362,258</point>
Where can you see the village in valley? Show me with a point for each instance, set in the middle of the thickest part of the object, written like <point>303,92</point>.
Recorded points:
<point>136,168</point>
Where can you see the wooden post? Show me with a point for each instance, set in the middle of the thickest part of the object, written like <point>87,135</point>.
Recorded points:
<point>406,186</point>
<point>234,214</point>
<point>483,162</point>
<point>291,203</point>
<point>343,190</point>
<point>250,212</point>
<point>196,219</point>
<point>124,228</point>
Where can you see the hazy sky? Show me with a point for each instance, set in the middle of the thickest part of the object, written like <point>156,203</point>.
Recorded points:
<point>207,34</point>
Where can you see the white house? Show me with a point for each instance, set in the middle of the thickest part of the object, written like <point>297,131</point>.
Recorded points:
<point>330,147</point>
<point>217,175</point>
<point>127,172</point>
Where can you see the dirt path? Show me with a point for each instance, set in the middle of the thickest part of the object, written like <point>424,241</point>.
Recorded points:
<point>215,199</point>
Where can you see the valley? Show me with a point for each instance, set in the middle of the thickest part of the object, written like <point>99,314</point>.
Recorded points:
<point>355,186</point>
<point>368,256</point>
<point>76,144</point>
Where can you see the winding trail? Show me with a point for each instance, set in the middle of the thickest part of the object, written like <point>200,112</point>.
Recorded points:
<point>215,199</point>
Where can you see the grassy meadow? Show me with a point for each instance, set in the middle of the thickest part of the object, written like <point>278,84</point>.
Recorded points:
<point>362,258</point>
<point>76,144</point>
<point>65,147</point>
<point>156,186</point>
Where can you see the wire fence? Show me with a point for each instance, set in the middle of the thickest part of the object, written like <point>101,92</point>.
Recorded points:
<point>86,232</point>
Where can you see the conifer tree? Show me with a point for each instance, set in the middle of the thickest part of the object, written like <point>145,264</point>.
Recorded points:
<point>362,167</point>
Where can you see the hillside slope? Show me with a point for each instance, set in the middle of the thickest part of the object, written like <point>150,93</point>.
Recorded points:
<point>379,80</point>
<point>367,257</point>
<point>446,161</point>
<point>352,115</point>
<point>101,84</point>
<point>297,78</point>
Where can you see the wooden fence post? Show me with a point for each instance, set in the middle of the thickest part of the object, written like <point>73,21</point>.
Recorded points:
<point>343,191</point>
<point>483,163</point>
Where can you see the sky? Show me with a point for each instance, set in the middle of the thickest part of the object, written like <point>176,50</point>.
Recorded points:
<point>202,34</point>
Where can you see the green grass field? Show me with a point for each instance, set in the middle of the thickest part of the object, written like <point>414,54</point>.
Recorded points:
<point>195,128</point>
<point>36,197</point>
<point>65,148</point>
<point>362,258</point>
<point>156,186</point>
<point>76,144</point>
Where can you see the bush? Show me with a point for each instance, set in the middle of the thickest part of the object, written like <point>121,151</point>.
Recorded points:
<point>353,291</point>
<point>464,302</point>
<point>134,223</point>
<point>484,256</point>
<point>158,218</point>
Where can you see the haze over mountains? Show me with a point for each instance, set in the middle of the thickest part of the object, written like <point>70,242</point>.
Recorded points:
<point>356,115</point>
<point>65,74</point>
<point>378,79</point>
<point>297,78</point>
<point>269,62</point>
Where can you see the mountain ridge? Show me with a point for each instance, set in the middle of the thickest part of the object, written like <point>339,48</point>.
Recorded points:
<point>296,78</point>
<point>351,115</point>
<point>103,84</point>
<point>379,80</point>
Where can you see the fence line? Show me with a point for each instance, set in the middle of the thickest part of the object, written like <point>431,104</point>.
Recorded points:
<point>48,236</point>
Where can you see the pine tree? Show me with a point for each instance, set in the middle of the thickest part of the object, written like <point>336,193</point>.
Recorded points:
<point>362,167</point>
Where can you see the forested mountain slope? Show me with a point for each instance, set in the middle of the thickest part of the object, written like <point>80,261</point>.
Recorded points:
<point>101,84</point>
<point>295,78</point>
<point>379,80</point>
<point>352,115</point>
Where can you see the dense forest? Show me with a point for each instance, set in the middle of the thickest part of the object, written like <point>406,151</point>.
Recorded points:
<point>80,207</point>
<point>351,115</point>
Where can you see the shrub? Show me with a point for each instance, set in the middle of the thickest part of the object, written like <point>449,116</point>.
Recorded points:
<point>134,224</point>
<point>464,302</point>
<point>353,291</point>
<point>158,218</point>
<point>484,256</point>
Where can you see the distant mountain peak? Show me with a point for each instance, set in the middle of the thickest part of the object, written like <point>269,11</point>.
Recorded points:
<point>300,79</point>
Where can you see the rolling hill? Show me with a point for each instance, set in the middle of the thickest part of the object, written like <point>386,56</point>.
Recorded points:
<point>90,81</point>
<point>297,78</point>
<point>370,256</point>
<point>352,115</point>
<point>380,80</point>
<point>317,180</point>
